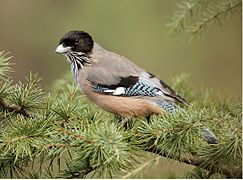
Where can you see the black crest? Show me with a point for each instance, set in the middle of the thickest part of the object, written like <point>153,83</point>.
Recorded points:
<point>80,41</point>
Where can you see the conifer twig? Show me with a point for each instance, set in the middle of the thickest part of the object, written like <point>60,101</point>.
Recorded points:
<point>14,109</point>
<point>140,168</point>
<point>228,171</point>
<point>202,24</point>
<point>193,16</point>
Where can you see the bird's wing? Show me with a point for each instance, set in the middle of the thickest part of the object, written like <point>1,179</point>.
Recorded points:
<point>115,75</point>
<point>167,90</point>
<point>113,70</point>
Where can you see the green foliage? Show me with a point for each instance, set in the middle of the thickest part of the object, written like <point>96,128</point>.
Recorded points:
<point>4,64</point>
<point>27,96</point>
<point>199,173</point>
<point>5,89</point>
<point>62,135</point>
<point>194,16</point>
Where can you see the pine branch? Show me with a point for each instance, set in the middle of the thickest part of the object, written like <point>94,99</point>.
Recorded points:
<point>27,96</point>
<point>228,171</point>
<point>141,167</point>
<point>15,109</point>
<point>214,15</point>
<point>180,16</point>
<point>78,168</point>
<point>193,16</point>
<point>4,65</point>
<point>174,136</point>
<point>21,98</point>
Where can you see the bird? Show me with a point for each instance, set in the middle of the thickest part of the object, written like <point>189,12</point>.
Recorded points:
<point>115,83</point>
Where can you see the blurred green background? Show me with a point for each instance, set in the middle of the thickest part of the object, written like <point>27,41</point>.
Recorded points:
<point>136,29</point>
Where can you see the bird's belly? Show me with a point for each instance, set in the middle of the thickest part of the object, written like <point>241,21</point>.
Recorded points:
<point>120,105</point>
<point>125,106</point>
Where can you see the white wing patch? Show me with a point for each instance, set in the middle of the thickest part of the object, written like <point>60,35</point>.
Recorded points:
<point>159,93</point>
<point>109,90</point>
<point>119,91</point>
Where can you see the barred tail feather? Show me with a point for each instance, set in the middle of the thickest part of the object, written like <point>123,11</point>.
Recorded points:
<point>166,105</point>
<point>209,136</point>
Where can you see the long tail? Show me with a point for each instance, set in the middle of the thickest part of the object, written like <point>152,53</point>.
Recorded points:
<point>171,107</point>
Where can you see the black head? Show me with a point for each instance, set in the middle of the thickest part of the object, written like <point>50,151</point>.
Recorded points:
<point>77,41</point>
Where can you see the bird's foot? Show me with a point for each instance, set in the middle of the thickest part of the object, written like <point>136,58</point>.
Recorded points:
<point>125,122</point>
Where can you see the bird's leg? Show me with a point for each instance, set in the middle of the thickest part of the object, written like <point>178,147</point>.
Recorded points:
<point>148,119</point>
<point>123,121</point>
<point>119,118</point>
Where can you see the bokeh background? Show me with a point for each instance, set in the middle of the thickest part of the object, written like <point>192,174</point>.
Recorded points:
<point>30,31</point>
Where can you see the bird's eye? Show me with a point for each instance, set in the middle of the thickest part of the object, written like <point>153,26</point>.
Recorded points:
<point>76,41</point>
<point>64,44</point>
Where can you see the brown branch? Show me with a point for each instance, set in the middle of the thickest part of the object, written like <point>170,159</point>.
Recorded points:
<point>15,109</point>
<point>58,145</point>
<point>70,133</point>
<point>228,171</point>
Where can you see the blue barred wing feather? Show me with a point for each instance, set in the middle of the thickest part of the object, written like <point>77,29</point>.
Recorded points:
<point>138,88</point>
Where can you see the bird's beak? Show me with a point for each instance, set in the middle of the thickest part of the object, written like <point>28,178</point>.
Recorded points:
<point>60,49</point>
